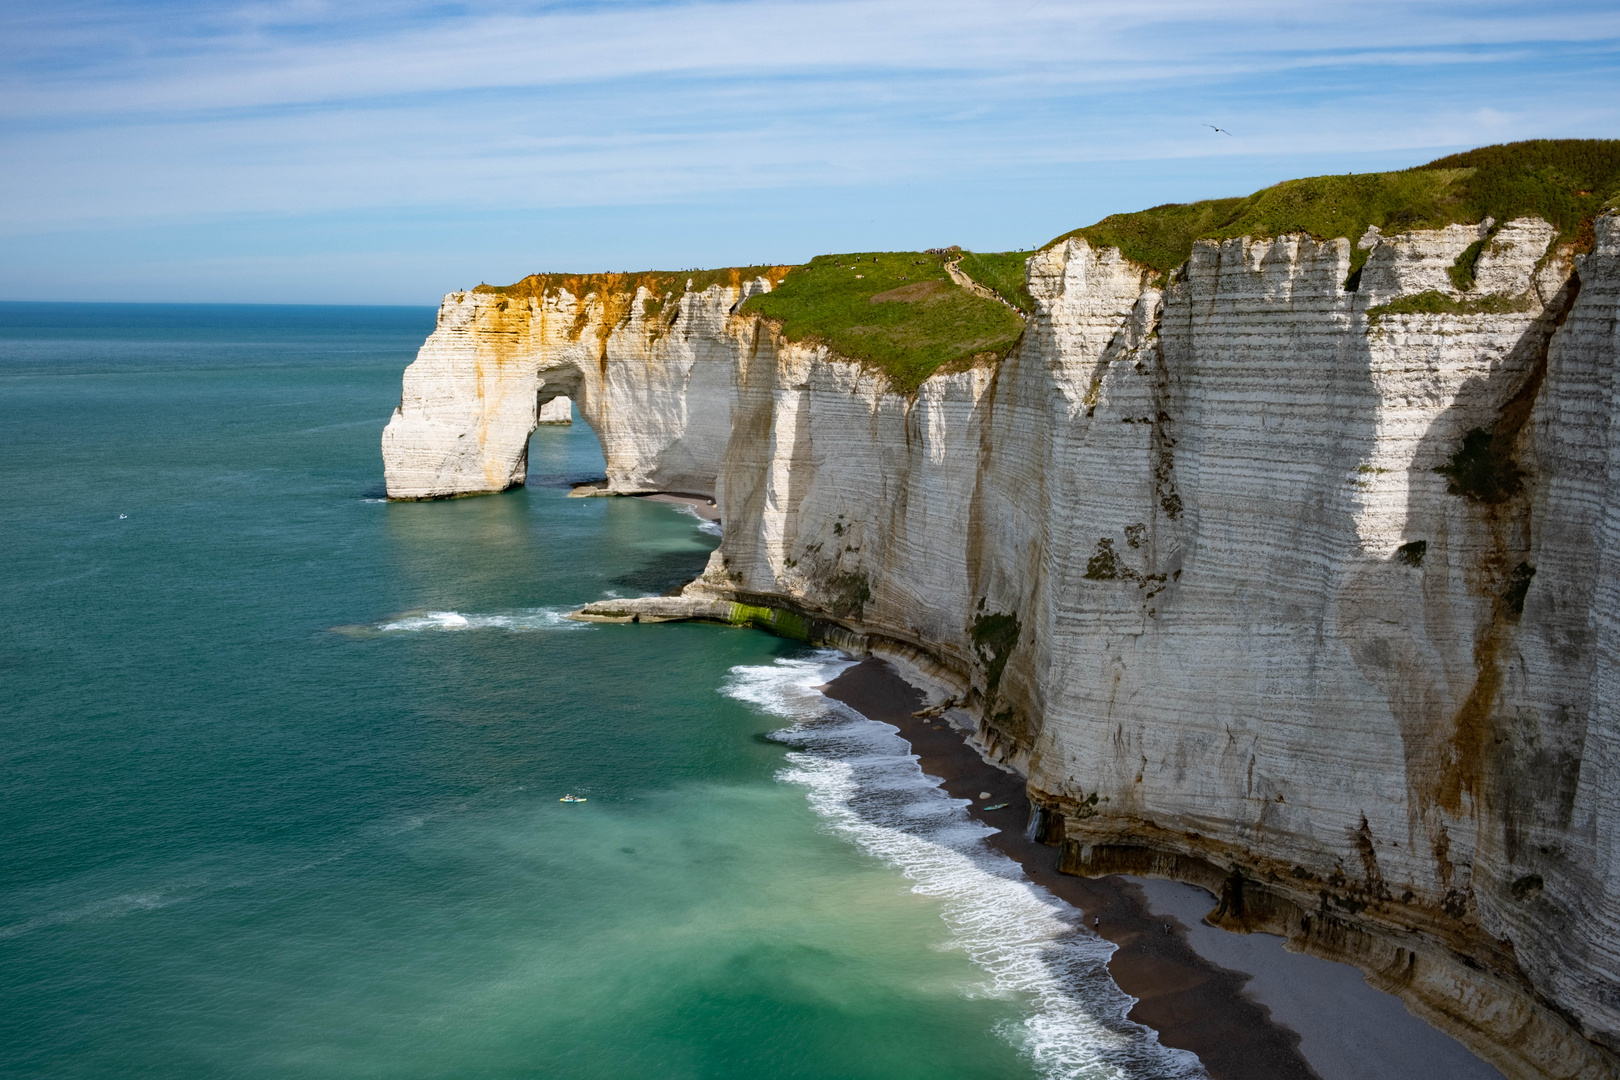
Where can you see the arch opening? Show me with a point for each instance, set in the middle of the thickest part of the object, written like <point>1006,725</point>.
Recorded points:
<point>563,448</point>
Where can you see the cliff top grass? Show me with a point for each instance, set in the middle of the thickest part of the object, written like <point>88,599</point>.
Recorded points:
<point>1568,182</point>
<point>617,289</point>
<point>1002,273</point>
<point>898,312</point>
<point>657,282</point>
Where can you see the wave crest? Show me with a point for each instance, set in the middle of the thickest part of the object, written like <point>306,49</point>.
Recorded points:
<point>704,524</point>
<point>517,622</point>
<point>863,781</point>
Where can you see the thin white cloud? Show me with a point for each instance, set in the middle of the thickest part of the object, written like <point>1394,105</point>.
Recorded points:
<point>177,112</point>
<point>1067,43</point>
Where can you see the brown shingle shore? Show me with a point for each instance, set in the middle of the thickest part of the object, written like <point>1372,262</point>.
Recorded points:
<point>1192,1003</point>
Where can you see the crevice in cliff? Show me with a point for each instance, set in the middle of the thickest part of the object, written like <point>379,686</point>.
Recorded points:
<point>1485,472</point>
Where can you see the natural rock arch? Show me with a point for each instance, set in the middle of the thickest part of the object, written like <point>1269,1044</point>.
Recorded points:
<point>656,384</point>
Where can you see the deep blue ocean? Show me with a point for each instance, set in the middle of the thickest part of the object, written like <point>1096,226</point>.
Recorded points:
<point>282,761</point>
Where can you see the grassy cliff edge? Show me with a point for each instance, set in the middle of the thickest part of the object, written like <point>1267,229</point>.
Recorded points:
<point>1567,182</point>
<point>900,313</point>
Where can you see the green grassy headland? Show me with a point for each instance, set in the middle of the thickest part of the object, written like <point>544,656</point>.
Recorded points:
<point>899,313</point>
<point>1002,273</point>
<point>1568,182</point>
<point>896,311</point>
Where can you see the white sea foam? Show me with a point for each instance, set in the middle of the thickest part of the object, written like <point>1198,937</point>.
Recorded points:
<point>110,908</point>
<point>704,524</point>
<point>514,622</point>
<point>863,780</point>
<point>175,892</point>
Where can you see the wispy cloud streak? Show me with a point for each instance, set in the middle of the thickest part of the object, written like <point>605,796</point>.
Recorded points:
<point>144,71</point>
<point>180,111</point>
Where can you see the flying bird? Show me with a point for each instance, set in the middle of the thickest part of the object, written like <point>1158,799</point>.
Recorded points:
<point>1223,131</point>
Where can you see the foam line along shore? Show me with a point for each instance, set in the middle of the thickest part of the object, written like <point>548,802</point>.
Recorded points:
<point>1165,958</point>
<point>863,781</point>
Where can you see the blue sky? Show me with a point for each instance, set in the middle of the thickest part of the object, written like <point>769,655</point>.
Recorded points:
<point>386,152</point>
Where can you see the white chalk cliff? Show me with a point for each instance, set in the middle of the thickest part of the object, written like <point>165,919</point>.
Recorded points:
<point>1262,588</point>
<point>556,411</point>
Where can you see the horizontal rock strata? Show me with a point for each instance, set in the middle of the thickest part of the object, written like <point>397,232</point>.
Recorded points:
<point>1287,588</point>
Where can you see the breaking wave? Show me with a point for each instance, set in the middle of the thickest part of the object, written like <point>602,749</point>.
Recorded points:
<point>704,524</point>
<point>515,622</point>
<point>862,779</point>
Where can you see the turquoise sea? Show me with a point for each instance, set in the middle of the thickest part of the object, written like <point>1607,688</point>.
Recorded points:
<point>281,764</point>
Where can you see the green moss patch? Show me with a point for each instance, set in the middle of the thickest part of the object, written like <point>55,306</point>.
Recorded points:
<point>1439,303</point>
<point>1564,181</point>
<point>774,620</point>
<point>1482,469</point>
<point>897,312</point>
<point>994,638</point>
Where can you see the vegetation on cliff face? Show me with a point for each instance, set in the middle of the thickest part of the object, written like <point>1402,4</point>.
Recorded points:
<point>617,290</point>
<point>1568,182</point>
<point>1483,468</point>
<point>1439,303</point>
<point>995,636</point>
<point>895,311</point>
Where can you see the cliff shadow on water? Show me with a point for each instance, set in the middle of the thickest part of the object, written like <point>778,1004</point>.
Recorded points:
<point>570,458</point>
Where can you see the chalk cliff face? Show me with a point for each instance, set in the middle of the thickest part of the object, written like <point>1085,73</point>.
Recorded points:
<point>653,380</point>
<point>558,410</point>
<point>1263,583</point>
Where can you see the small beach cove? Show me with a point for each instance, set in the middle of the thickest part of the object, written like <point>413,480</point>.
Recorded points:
<point>1247,1008</point>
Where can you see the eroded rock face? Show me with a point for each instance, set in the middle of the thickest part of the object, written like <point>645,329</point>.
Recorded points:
<point>1263,587</point>
<point>558,410</point>
<point>652,379</point>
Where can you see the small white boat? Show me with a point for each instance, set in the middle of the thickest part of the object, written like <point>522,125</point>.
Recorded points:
<point>572,798</point>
